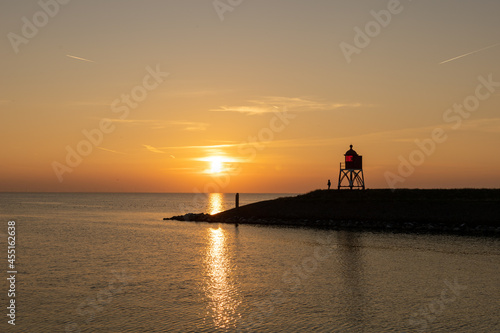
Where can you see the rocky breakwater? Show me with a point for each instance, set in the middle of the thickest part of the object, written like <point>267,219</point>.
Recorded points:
<point>457,211</point>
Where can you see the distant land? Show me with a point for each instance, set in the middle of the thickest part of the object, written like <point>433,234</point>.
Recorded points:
<point>456,211</point>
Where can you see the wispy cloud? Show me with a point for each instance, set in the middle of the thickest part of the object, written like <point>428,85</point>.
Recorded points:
<point>226,145</point>
<point>491,125</point>
<point>157,150</point>
<point>153,149</point>
<point>78,58</point>
<point>275,103</point>
<point>87,103</point>
<point>251,110</point>
<point>132,121</point>
<point>469,53</point>
<point>110,150</point>
<point>159,124</point>
<point>193,92</point>
<point>289,143</point>
<point>222,157</point>
<point>406,134</point>
<point>190,125</point>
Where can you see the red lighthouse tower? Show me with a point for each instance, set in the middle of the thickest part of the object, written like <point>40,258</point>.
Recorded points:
<point>352,172</point>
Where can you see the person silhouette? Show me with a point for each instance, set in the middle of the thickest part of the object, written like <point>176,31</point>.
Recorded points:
<point>329,184</point>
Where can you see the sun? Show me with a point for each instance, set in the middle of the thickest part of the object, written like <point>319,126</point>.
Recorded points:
<point>216,164</point>
<point>219,165</point>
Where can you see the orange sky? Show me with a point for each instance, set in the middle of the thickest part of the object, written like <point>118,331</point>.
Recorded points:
<point>181,96</point>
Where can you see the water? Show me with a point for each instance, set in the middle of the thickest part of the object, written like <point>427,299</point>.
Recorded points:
<point>109,263</point>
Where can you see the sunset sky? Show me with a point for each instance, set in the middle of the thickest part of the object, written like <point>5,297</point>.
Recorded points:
<point>247,95</point>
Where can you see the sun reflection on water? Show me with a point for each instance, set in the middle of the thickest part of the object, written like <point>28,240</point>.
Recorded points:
<point>215,201</point>
<point>219,288</point>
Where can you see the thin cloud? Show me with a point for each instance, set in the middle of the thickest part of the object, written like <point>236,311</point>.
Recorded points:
<point>275,144</point>
<point>160,124</point>
<point>469,53</point>
<point>307,104</point>
<point>270,104</point>
<point>198,92</point>
<point>181,169</point>
<point>190,125</point>
<point>225,159</point>
<point>491,125</point>
<point>204,147</point>
<point>78,58</point>
<point>86,103</point>
<point>131,121</point>
<point>110,150</point>
<point>395,135</point>
<point>153,149</point>
<point>251,110</point>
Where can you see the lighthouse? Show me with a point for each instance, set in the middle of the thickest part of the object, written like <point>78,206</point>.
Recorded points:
<point>351,173</point>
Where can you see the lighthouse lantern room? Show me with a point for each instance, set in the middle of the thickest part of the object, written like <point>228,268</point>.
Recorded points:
<point>351,173</point>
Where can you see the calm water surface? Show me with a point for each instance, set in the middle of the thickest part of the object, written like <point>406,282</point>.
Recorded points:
<point>109,263</point>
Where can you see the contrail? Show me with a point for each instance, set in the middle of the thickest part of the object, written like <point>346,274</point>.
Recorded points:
<point>464,55</point>
<point>67,55</point>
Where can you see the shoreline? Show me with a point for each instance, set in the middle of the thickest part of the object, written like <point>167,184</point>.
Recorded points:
<point>448,211</point>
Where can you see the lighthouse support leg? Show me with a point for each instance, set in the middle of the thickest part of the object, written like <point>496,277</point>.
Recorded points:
<point>354,177</point>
